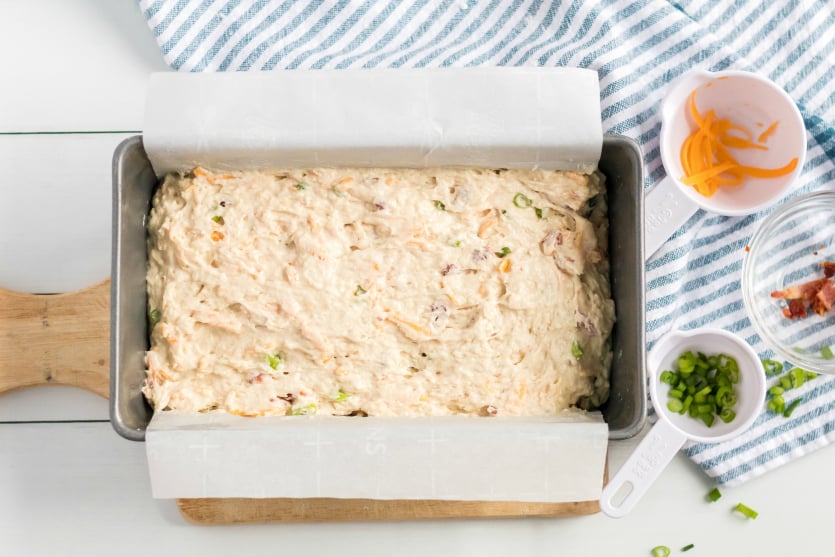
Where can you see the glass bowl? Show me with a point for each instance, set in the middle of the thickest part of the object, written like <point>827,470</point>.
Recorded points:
<point>786,250</point>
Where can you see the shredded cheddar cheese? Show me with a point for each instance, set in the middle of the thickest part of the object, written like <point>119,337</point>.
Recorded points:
<point>706,157</point>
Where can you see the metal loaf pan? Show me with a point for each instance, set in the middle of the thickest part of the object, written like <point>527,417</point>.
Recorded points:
<point>134,183</point>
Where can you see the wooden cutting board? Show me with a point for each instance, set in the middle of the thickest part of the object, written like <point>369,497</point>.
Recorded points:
<point>64,339</point>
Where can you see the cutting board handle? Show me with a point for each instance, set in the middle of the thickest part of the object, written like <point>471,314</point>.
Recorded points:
<point>56,339</point>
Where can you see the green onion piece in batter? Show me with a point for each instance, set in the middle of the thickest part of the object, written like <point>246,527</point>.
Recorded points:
<point>218,219</point>
<point>274,360</point>
<point>538,212</point>
<point>360,290</point>
<point>341,396</point>
<point>154,316</point>
<point>439,205</point>
<point>576,350</point>
<point>522,201</point>
<point>504,252</point>
<point>301,187</point>
<point>308,410</point>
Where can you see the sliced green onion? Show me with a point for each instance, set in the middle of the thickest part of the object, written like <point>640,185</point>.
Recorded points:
<point>274,360</point>
<point>676,394</point>
<point>439,205</point>
<point>811,375</point>
<point>675,405</point>
<point>504,252</point>
<point>785,382</point>
<point>714,495</point>
<point>772,367</point>
<point>341,396</point>
<point>686,363</point>
<point>747,511</point>
<point>667,377</point>
<point>797,377</point>
<point>301,187</point>
<point>360,290</point>
<point>218,219</point>
<point>777,405</point>
<point>707,419</point>
<point>660,551</point>
<point>687,547</point>
<point>576,350</point>
<point>522,201</point>
<point>727,415</point>
<point>307,410</point>
<point>794,404</point>
<point>776,390</point>
<point>154,316</point>
<point>686,405</point>
<point>826,353</point>
<point>538,212</point>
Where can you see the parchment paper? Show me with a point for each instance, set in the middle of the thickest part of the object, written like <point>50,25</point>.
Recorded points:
<point>488,117</point>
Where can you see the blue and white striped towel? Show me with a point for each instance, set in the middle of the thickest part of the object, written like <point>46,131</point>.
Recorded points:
<point>637,48</point>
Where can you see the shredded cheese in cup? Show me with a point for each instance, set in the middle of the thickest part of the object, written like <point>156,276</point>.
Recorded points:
<point>706,157</point>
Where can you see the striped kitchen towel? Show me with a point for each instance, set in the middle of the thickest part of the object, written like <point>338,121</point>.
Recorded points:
<point>637,48</point>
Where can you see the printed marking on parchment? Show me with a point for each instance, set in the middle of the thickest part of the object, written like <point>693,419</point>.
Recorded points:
<point>318,443</point>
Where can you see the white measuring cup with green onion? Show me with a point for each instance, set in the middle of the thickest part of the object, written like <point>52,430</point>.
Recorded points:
<point>672,429</point>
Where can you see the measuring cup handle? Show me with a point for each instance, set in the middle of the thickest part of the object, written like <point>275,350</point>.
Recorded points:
<point>666,208</point>
<point>640,470</point>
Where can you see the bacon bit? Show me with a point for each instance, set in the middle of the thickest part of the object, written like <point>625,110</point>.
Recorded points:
<point>505,266</point>
<point>217,236</point>
<point>223,204</point>
<point>489,410</point>
<point>819,294</point>
<point>302,392</point>
<point>347,180</point>
<point>747,248</point>
<point>805,292</point>
<point>289,398</point>
<point>824,298</point>
<point>448,269</point>
<point>795,309</point>
<point>200,172</point>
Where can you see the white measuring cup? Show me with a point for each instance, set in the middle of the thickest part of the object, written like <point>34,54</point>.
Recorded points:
<point>671,430</point>
<point>747,99</point>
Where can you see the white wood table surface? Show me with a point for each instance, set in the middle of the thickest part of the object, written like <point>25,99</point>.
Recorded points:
<point>70,486</point>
